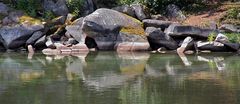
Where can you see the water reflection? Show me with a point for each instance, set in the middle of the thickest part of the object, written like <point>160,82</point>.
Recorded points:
<point>126,78</point>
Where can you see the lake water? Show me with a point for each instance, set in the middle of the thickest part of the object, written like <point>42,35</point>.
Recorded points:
<point>120,78</point>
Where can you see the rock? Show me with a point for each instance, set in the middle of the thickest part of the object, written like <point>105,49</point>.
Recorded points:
<point>185,44</point>
<point>13,18</point>
<point>158,39</point>
<point>125,9</point>
<point>40,43</point>
<point>141,11</point>
<point>174,13</point>
<point>74,30</point>
<point>228,28</point>
<point>59,8</point>
<point>88,7</point>
<point>78,48</point>
<point>16,36</point>
<point>213,25</point>
<point>217,46</point>
<point>156,23</point>
<point>71,41</point>
<point>34,38</point>
<point>158,17</point>
<point>113,30</point>
<point>185,31</point>
<point>49,43</point>
<point>30,49</point>
<point>221,38</point>
<point>3,9</point>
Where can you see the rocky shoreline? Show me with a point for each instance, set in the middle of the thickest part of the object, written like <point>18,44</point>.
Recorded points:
<point>123,28</point>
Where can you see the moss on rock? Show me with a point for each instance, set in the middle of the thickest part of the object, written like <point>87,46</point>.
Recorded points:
<point>29,20</point>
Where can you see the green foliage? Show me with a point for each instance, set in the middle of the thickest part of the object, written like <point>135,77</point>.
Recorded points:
<point>75,6</point>
<point>48,15</point>
<point>211,37</point>
<point>28,6</point>
<point>233,37</point>
<point>233,13</point>
<point>128,2</point>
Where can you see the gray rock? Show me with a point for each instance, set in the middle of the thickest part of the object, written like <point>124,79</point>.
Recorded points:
<point>89,7</point>
<point>71,41</point>
<point>221,38</point>
<point>34,38</point>
<point>217,46</point>
<point>159,17</point>
<point>185,31</point>
<point>110,28</point>
<point>158,39</point>
<point>59,8</point>
<point>40,43</point>
<point>12,18</point>
<point>16,36</point>
<point>75,31</point>
<point>174,13</point>
<point>156,23</point>
<point>50,43</point>
<point>186,44</point>
<point>125,9</point>
<point>3,9</point>
<point>228,28</point>
<point>141,11</point>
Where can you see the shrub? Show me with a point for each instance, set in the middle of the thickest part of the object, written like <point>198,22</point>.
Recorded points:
<point>233,37</point>
<point>211,37</point>
<point>75,6</point>
<point>28,6</point>
<point>233,13</point>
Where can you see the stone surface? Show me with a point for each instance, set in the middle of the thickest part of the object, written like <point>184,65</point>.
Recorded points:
<point>50,43</point>
<point>185,31</point>
<point>75,31</point>
<point>174,13</point>
<point>185,45</point>
<point>110,28</point>
<point>3,9</point>
<point>156,23</point>
<point>59,7</point>
<point>13,18</point>
<point>221,38</point>
<point>16,36</point>
<point>36,35</point>
<point>228,28</point>
<point>158,39</point>
<point>212,46</point>
<point>141,11</point>
<point>40,43</point>
<point>125,9</point>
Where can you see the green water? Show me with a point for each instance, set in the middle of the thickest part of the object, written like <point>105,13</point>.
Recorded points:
<point>124,78</point>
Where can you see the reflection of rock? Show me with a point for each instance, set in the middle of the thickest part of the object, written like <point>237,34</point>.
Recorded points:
<point>102,70</point>
<point>219,61</point>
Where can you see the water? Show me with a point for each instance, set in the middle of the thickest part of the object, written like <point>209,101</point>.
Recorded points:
<point>124,78</point>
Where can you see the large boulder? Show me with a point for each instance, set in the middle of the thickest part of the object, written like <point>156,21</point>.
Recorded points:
<point>126,10</point>
<point>229,28</point>
<point>113,30</point>
<point>174,13</point>
<point>217,46</point>
<point>15,36</point>
<point>156,23</point>
<point>141,11</point>
<point>185,31</point>
<point>3,9</point>
<point>158,39</point>
<point>59,7</point>
<point>36,35</point>
<point>74,30</point>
